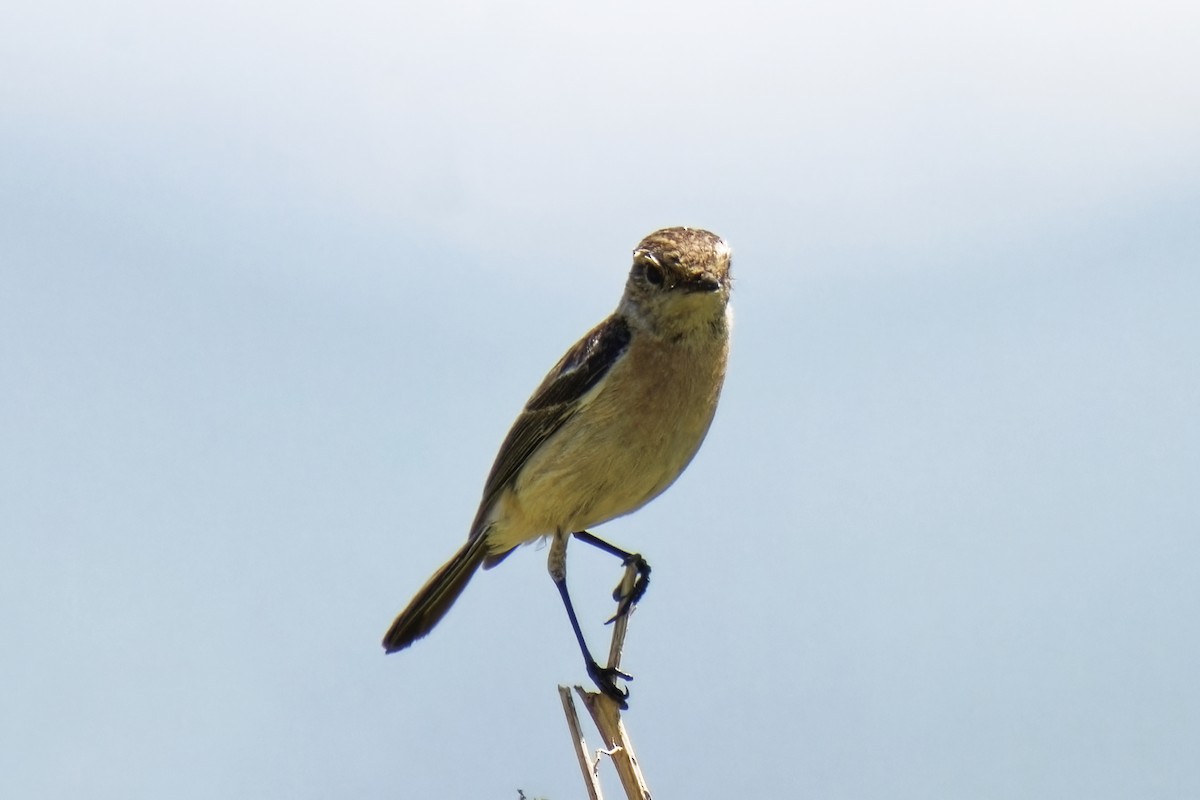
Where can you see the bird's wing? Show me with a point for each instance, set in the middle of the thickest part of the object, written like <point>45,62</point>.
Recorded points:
<point>553,403</point>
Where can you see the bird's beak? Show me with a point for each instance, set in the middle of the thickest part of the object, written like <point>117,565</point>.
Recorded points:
<point>704,282</point>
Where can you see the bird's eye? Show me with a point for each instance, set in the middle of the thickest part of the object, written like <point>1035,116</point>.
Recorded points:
<point>653,273</point>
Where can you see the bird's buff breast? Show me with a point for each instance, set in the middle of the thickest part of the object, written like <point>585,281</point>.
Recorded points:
<point>627,443</point>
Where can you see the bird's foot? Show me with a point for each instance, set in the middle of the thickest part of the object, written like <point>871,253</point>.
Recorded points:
<point>605,679</point>
<point>626,602</point>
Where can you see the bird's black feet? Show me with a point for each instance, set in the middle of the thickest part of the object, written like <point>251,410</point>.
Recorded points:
<point>626,602</point>
<point>605,679</point>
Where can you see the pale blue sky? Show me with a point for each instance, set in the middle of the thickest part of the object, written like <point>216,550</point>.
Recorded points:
<point>275,279</point>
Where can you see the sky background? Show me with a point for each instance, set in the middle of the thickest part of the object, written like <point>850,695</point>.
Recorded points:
<point>275,278</point>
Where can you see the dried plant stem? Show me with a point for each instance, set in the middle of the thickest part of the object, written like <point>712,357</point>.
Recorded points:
<point>589,768</point>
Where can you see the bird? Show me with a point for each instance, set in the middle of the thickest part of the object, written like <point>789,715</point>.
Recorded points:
<point>612,425</point>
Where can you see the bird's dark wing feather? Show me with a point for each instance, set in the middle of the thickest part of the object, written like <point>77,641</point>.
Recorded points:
<point>553,403</point>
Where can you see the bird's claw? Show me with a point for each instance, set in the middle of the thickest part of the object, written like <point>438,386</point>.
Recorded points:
<point>626,602</point>
<point>605,679</point>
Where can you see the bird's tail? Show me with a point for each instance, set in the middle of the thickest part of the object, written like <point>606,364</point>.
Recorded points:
<point>434,599</point>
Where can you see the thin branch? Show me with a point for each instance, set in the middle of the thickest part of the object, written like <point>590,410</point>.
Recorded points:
<point>591,777</point>
<point>621,624</point>
<point>607,716</point>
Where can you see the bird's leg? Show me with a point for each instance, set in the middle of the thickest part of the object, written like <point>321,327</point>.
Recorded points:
<point>625,601</point>
<point>603,677</point>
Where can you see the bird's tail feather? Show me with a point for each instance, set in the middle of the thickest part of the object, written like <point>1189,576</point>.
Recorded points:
<point>434,599</point>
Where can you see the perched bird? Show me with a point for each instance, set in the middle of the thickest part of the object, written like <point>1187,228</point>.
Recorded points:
<point>611,426</point>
